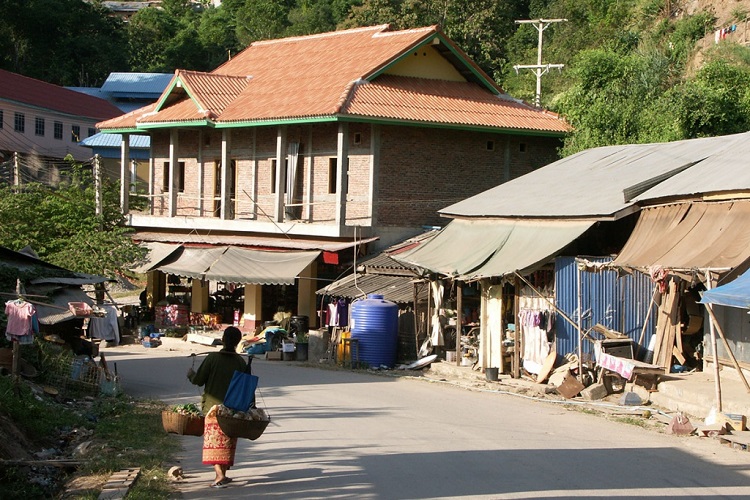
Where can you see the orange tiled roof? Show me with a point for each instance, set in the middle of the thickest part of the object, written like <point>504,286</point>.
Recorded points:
<point>326,75</point>
<point>445,102</point>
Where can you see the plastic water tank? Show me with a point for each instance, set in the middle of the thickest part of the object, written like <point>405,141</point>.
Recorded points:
<point>374,323</point>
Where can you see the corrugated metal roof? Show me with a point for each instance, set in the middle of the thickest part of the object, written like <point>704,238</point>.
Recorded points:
<point>60,312</point>
<point>136,84</point>
<point>113,141</point>
<point>22,89</point>
<point>399,289</point>
<point>719,171</point>
<point>594,183</point>
<point>326,75</point>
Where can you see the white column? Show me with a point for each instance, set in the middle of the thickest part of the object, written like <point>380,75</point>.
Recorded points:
<point>253,306</point>
<point>306,292</point>
<point>281,147</point>
<point>342,173</point>
<point>225,136</point>
<point>124,172</point>
<point>173,160</point>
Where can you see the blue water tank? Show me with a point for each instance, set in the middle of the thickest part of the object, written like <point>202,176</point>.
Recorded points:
<point>374,323</point>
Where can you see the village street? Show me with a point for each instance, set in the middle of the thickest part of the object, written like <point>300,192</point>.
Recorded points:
<point>342,434</point>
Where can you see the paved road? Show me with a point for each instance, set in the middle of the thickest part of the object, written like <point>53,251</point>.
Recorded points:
<point>341,434</point>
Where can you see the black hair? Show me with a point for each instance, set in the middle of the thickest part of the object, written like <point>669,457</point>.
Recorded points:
<point>232,336</point>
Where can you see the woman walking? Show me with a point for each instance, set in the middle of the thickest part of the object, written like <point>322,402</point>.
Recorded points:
<point>215,374</point>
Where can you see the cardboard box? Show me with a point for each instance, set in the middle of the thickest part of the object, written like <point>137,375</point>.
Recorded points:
<point>273,355</point>
<point>570,386</point>
<point>734,421</point>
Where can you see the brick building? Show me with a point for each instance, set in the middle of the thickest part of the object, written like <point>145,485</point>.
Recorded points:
<point>324,143</point>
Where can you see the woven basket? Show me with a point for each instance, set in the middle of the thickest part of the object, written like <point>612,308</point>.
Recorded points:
<point>241,428</point>
<point>185,425</point>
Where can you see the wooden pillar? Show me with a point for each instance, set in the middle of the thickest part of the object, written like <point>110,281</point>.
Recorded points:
<point>516,335</point>
<point>459,319</point>
<point>306,292</point>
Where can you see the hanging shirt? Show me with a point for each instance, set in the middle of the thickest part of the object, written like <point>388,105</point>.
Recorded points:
<point>105,328</point>
<point>20,315</point>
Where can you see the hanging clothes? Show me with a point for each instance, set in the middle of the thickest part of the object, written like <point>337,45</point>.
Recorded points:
<point>533,325</point>
<point>20,321</point>
<point>105,328</point>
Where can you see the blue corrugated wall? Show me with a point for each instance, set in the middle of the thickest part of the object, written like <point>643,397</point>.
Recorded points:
<point>618,303</point>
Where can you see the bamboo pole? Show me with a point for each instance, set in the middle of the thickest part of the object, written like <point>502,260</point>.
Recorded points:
<point>459,320</point>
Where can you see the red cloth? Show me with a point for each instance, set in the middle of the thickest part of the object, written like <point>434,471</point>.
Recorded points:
<point>330,257</point>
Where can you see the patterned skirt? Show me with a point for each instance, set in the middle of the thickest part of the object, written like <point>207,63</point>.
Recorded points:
<point>218,448</point>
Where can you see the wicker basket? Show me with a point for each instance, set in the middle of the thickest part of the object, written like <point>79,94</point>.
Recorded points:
<point>178,423</point>
<point>241,428</point>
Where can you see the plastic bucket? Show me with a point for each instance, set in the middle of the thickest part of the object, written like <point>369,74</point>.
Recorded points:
<point>491,374</point>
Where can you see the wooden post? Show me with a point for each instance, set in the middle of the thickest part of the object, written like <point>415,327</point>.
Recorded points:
<point>516,338</point>
<point>717,379</point>
<point>459,320</point>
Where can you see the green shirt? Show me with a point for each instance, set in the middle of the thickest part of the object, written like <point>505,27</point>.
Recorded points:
<point>215,373</point>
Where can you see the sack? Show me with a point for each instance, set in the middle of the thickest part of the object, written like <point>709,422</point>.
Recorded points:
<point>680,425</point>
<point>241,393</point>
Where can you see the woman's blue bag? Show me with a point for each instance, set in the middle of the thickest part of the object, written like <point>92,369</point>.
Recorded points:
<point>241,393</point>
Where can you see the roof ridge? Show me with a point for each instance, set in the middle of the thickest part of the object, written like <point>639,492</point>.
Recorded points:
<point>424,29</point>
<point>327,34</point>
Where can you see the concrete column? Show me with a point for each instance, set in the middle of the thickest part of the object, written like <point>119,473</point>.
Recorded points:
<point>199,296</point>
<point>374,171</point>
<point>173,161</point>
<point>281,152</point>
<point>225,136</point>
<point>342,173</point>
<point>124,173</point>
<point>253,307</point>
<point>306,298</point>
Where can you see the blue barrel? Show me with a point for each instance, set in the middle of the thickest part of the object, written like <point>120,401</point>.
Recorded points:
<point>374,323</point>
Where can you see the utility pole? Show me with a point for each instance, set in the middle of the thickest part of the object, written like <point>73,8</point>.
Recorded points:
<point>98,185</point>
<point>16,170</point>
<point>539,69</point>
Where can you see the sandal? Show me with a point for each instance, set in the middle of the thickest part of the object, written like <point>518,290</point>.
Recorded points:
<point>221,484</point>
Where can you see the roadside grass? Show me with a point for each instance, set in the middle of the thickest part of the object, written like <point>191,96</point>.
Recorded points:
<point>123,433</point>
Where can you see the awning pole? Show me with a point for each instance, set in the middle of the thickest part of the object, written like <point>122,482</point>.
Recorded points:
<point>717,381</point>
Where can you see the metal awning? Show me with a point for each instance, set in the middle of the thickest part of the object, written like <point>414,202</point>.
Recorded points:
<point>238,265</point>
<point>689,236</point>
<point>472,249</point>
<point>259,267</point>
<point>157,252</point>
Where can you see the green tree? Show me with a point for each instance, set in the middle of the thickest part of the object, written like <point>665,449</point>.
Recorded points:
<point>66,42</point>
<point>62,226</point>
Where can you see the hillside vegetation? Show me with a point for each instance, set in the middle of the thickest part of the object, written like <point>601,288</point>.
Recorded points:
<point>634,70</point>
